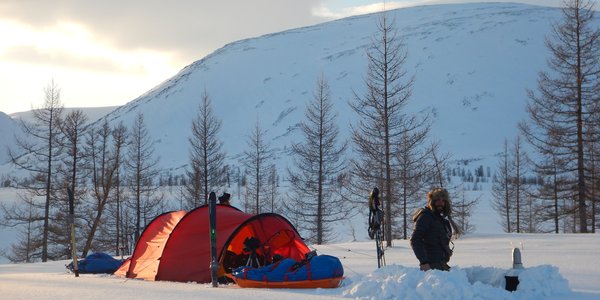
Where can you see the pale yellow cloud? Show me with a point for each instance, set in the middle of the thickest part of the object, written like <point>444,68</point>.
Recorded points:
<point>68,44</point>
<point>90,69</point>
<point>325,11</point>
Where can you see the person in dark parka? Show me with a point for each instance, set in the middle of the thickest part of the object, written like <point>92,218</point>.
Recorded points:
<point>432,232</point>
<point>224,199</point>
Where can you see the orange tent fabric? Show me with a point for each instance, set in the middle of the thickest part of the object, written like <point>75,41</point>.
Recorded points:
<point>144,261</point>
<point>187,253</point>
<point>176,247</point>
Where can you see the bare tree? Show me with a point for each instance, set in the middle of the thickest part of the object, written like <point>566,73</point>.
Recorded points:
<point>257,160</point>
<point>273,190</point>
<point>462,209</point>
<point>105,206</point>
<point>38,153</point>
<point>73,128</point>
<point>510,187</point>
<point>413,172</point>
<point>141,165</point>
<point>592,149</point>
<point>318,161</point>
<point>26,215</point>
<point>120,142</point>
<point>533,217</point>
<point>519,160</point>
<point>383,123</point>
<point>502,191</point>
<point>207,171</point>
<point>104,159</point>
<point>560,112</point>
<point>554,189</point>
<point>594,179</point>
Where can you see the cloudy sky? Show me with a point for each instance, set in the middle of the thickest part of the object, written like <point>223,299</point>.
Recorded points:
<point>105,53</point>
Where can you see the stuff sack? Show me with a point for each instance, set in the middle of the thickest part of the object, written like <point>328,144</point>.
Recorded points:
<point>288,273</point>
<point>97,263</point>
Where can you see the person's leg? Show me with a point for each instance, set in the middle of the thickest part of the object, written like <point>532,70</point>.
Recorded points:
<point>440,266</point>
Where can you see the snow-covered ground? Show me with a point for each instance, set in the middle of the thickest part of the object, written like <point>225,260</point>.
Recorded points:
<point>560,266</point>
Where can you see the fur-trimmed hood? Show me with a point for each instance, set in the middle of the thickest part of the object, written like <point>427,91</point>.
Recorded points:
<point>439,193</point>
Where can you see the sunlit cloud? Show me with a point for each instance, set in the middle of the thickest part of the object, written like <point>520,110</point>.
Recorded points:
<point>90,69</point>
<point>67,44</point>
<point>325,11</point>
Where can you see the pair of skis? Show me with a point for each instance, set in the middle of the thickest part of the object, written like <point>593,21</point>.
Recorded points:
<point>376,225</point>
<point>212,214</point>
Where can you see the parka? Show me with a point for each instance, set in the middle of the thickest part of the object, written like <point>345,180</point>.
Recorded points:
<point>430,240</point>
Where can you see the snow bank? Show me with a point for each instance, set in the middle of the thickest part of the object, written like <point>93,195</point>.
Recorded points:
<point>398,282</point>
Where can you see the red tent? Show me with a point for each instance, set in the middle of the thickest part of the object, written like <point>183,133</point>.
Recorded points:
<point>175,246</point>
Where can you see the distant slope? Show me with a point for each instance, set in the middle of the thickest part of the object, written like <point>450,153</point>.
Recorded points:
<point>92,113</point>
<point>8,129</point>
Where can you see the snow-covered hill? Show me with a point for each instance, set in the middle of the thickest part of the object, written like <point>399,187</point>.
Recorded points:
<point>8,129</point>
<point>472,64</point>
<point>92,113</point>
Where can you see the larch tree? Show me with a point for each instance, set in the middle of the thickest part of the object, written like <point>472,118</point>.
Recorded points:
<point>257,160</point>
<point>111,234</point>
<point>141,165</point>
<point>103,165</point>
<point>383,121</point>
<point>274,203</point>
<point>73,128</point>
<point>416,167</point>
<point>502,191</point>
<point>520,188</point>
<point>462,209</point>
<point>207,171</point>
<point>593,171</point>
<point>38,153</point>
<point>318,160</point>
<point>553,191</point>
<point>511,192</point>
<point>27,217</point>
<point>119,136</point>
<point>560,112</point>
